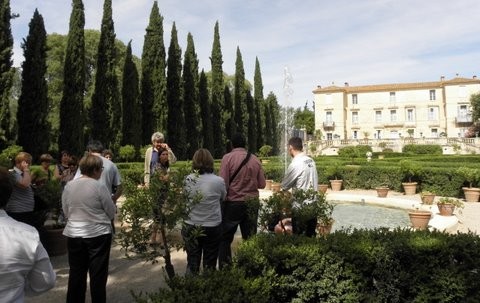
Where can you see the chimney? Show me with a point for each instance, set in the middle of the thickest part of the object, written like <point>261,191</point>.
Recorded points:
<point>319,86</point>
<point>442,78</point>
<point>346,84</point>
<point>474,77</point>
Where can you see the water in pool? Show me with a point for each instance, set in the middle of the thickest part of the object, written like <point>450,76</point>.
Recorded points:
<point>368,216</point>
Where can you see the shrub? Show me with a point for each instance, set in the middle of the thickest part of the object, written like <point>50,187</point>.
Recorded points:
<point>7,156</point>
<point>265,151</point>
<point>127,153</point>
<point>422,149</point>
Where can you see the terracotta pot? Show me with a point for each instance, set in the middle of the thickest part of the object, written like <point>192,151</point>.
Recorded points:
<point>382,192</point>
<point>322,188</point>
<point>410,188</point>
<point>336,185</point>
<point>471,194</point>
<point>54,241</point>
<point>419,218</point>
<point>324,229</point>
<point>268,184</point>
<point>446,209</point>
<point>275,187</point>
<point>428,198</point>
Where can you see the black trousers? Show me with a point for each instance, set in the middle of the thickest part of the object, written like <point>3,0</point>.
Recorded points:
<point>307,227</point>
<point>88,255</point>
<point>235,213</point>
<point>205,245</point>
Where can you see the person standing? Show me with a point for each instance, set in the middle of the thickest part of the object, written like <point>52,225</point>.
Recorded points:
<point>21,204</point>
<point>301,174</point>
<point>152,156</point>
<point>205,192</point>
<point>89,210</point>
<point>65,157</point>
<point>243,175</point>
<point>25,267</point>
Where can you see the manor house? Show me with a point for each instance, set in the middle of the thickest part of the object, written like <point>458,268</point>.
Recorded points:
<point>391,111</point>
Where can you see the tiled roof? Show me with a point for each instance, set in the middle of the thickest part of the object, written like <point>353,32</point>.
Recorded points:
<point>395,86</point>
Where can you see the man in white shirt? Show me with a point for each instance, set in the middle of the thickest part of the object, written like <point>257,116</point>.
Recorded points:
<point>301,174</point>
<point>25,267</point>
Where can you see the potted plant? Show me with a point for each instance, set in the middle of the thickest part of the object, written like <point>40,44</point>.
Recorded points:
<point>322,188</point>
<point>410,170</point>
<point>50,217</point>
<point>382,191</point>
<point>334,170</point>
<point>419,218</point>
<point>471,176</point>
<point>446,205</point>
<point>427,197</point>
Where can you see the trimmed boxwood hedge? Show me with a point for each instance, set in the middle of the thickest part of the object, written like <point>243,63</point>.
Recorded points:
<point>346,266</point>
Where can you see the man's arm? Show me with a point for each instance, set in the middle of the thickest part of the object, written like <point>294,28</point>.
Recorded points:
<point>42,277</point>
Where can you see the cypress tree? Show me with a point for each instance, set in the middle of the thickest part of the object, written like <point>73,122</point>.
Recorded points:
<point>153,83</point>
<point>217,95</point>
<point>6,73</point>
<point>259,104</point>
<point>252,123</point>
<point>274,114</point>
<point>131,126</point>
<point>230,128</point>
<point>176,122</point>
<point>32,111</point>
<point>268,123</point>
<point>205,113</point>
<point>105,100</point>
<point>71,106</point>
<point>240,107</point>
<point>190,98</point>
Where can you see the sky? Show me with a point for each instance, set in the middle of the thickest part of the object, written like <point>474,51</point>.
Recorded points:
<point>300,44</point>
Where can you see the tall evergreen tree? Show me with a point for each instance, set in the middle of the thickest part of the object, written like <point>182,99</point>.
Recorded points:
<point>131,121</point>
<point>239,97</point>
<point>176,122</point>
<point>6,73</point>
<point>217,95</point>
<point>205,113</point>
<point>259,103</point>
<point>190,98</point>
<point>105,100</point>
<point>230,127</point>
<point>273,109</point>
<point>268,123</point>
<point>252,123</point>
<point>153,83</point>
<point>72,119</point>
<point>32,110</point>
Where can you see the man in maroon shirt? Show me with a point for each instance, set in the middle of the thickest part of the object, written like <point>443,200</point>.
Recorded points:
<point>243,175</point>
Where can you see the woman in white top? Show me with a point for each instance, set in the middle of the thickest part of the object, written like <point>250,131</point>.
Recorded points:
<point>205,191</point>
<point>89,209</point>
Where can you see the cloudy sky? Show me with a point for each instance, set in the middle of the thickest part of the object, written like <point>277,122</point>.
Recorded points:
<point>319,42</point>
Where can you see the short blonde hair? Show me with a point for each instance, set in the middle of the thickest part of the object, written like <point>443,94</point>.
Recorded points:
<point>23,156</point>
<point>202,161</point>
<point>90,164</point>
<point>158,136</point>
<point>46,158</point>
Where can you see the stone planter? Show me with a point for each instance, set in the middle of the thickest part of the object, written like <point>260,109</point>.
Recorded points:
<point>322,188</point>
<point>410,188</point>
<point>275,187</point>
<point>428,199</point>
<point>268,184</point>
<point>336,185</point>
<point>446,209</point>
<point>471,194</point>
<point>382,192</point>
<point>54,241</point>
<point>419,218</point>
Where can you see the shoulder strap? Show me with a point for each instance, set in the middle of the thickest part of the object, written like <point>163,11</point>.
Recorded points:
<point>240,167</point>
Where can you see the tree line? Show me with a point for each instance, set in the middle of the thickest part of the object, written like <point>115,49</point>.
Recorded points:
<point>89,85</point>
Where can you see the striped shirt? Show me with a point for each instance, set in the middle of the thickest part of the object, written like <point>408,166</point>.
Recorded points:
<point>21,199</point>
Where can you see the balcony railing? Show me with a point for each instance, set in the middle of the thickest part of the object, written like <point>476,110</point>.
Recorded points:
<point>328,124</point>
<point>464,118</point>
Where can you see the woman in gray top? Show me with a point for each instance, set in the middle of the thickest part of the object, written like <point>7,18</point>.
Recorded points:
<point>205,191</point>
<point>89,209</point>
